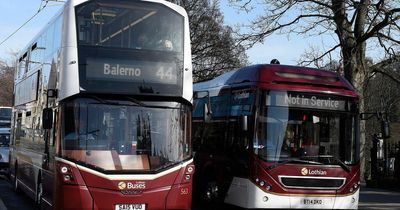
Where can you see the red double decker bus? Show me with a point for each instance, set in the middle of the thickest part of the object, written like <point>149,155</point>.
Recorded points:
<point>277,136</point>
<point>102,108</point>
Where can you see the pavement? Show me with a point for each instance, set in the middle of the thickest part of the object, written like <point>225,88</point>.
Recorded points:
<point>2,206</point>
<point>370,198</point>
<point>376,198</point>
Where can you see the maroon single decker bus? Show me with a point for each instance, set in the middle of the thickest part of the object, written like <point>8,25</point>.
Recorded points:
<point>277,136</point>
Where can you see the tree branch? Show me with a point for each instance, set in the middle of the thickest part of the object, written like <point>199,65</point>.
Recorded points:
<point>388,38</point>
<point>318,2</point>
<point>379,9</point>
<point>382,68</point>
<point>391,76</point>
<point>321,56</point>
<point>385,22</point>
<point>257,37</point>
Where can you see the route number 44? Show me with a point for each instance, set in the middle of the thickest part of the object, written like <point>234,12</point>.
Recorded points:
<point>163,73</point>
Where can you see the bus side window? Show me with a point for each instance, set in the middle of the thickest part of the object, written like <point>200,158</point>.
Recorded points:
<point>238,139</point>
<point>22,65</point>
<point>54,130</point>
<point>197,135</point>
<point>18,131</point>
<point>213,137</point>
<point>238,147</point>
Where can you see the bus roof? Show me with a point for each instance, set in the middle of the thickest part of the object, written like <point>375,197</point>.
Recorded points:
<point>284,77</point>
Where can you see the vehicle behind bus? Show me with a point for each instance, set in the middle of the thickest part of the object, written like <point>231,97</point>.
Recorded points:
<point>4,150</point>
<point>5,117</point>
<point>102,113</point>
<point>276,136</point>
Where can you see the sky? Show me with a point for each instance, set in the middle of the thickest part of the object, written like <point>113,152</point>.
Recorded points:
<point>14,14</point>
<point>287,50</point>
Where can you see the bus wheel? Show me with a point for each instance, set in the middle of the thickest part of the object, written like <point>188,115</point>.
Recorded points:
<point>16,188</point>
<point>211,192</point>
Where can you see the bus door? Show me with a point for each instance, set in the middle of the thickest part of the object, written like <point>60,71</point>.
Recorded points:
<point>238,143</point>
<point>48,176</point>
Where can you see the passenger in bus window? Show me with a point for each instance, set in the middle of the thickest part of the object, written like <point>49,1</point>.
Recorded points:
<point>163,35</point>
<point>143,42</point>
<point>168,45</point>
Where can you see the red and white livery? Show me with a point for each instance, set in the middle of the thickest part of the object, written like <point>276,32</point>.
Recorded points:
<point>102,108</point>
<point>276,136</point>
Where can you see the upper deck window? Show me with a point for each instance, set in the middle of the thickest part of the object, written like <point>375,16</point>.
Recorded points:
<point>131,25</point>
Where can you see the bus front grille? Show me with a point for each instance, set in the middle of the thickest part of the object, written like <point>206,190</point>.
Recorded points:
<point>312,182</point>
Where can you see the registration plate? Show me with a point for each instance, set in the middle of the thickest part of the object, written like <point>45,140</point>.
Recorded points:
<point>130,207</point>
<point>312,202</point>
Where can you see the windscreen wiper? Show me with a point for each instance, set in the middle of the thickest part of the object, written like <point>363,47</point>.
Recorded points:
<point>103,101</point>
<point>134,100</point>
<point>293,161</point>
<point>94,132</point>
<point>339,162</point>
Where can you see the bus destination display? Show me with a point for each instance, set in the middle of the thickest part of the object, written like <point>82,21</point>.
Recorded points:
<point>306,101</point>
<point>131,71</point>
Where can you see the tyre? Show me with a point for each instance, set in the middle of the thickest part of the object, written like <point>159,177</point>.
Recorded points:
<point>16,187</point>
<point>39,192</point>
<point>211,192</point>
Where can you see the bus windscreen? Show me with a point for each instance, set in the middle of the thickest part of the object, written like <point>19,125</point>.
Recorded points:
<point>286,133</point>
<point>122,136</point>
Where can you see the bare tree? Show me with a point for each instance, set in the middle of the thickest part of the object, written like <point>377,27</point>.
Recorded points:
<point>389,68</point>
<point>382,95</point>
<point>6,84</point>
<point>214,49</point>
<point>311,56</point>
<point>354,23</point>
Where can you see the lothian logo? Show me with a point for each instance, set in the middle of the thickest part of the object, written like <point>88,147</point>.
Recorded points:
<point>306,171</point>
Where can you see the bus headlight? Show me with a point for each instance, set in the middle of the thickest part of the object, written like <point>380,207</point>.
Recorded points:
<point>66,174</point>
<point>67,178</point>
<point>64,169</point>
<point>190,169</point>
